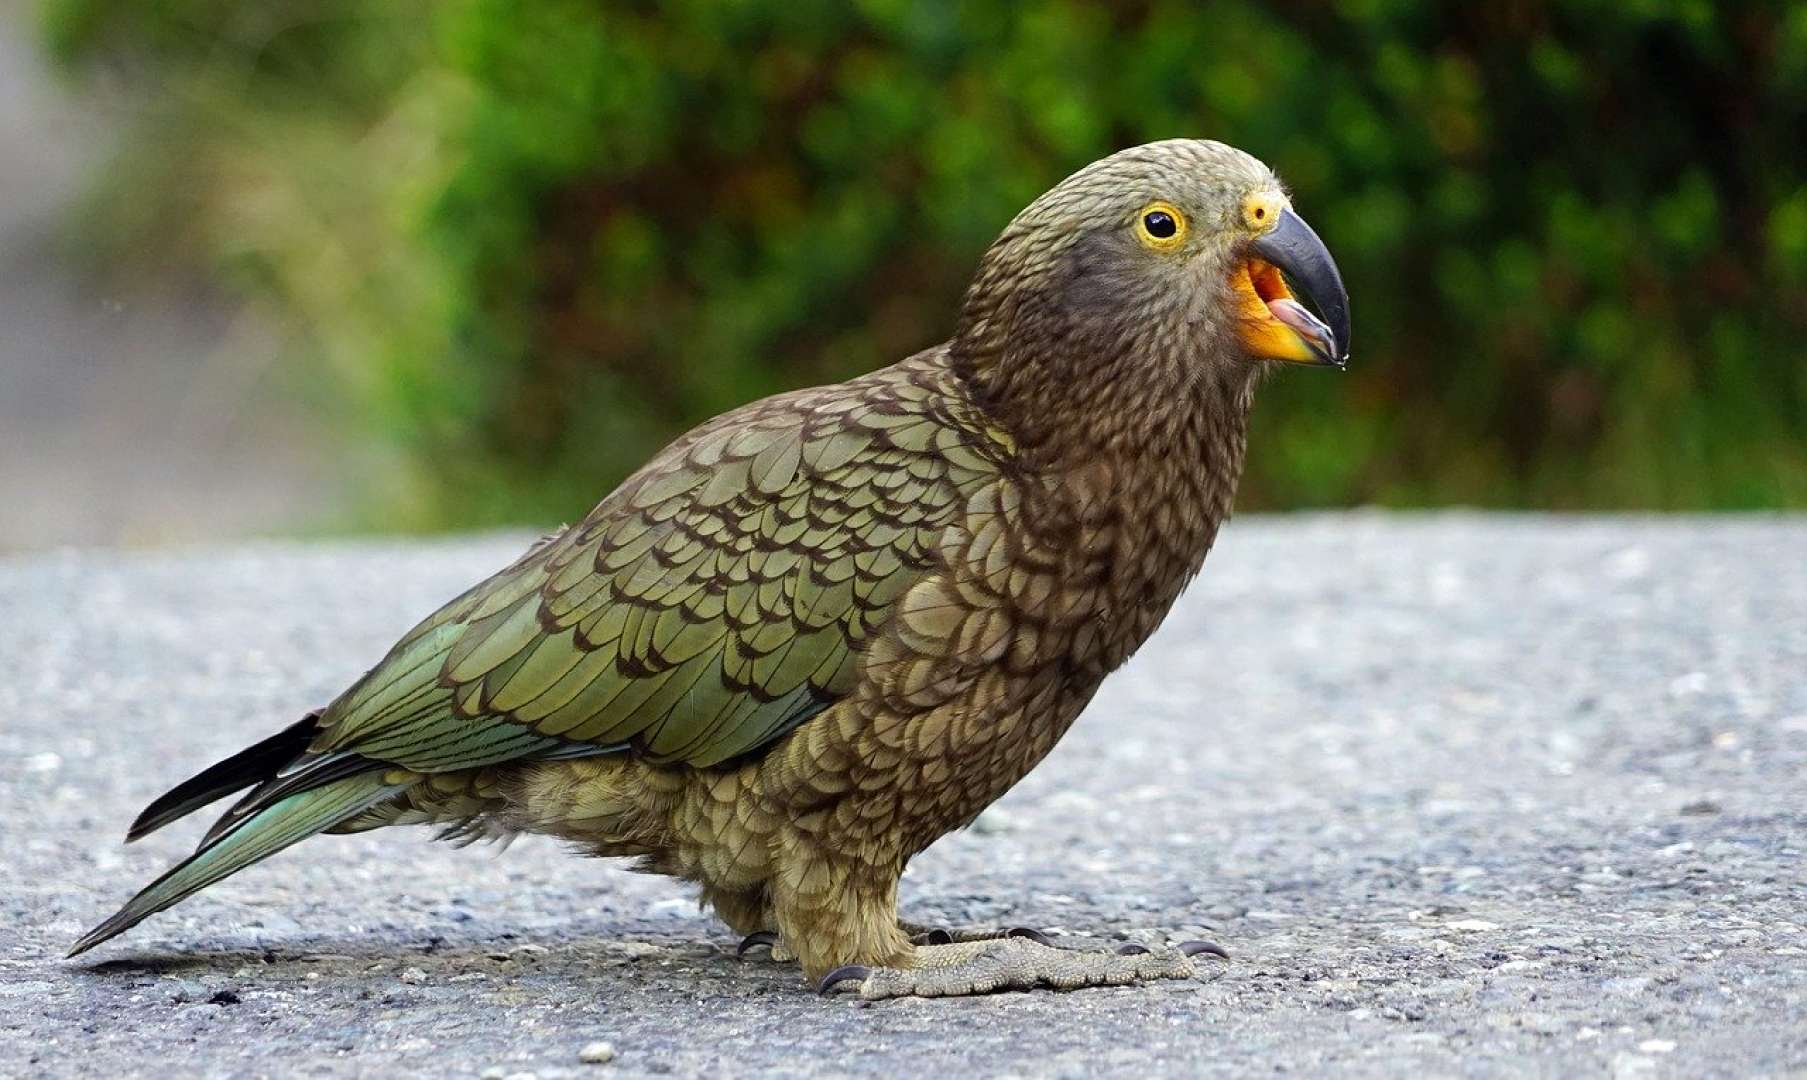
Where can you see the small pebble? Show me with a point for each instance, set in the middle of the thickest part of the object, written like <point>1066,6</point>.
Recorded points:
<point>597,1053</point>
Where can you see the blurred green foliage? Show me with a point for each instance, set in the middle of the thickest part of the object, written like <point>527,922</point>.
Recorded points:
<point>525,243</point>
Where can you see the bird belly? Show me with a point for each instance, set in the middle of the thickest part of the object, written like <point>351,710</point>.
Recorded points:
<point>704,825</point>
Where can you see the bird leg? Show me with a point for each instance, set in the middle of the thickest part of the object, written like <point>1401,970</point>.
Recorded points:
<point>1018,963</point>
<point>841,921</point>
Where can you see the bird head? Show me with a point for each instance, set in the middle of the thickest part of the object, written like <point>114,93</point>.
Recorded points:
<point>1183,256</point>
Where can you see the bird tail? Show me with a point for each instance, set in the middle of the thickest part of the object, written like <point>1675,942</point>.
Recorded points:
<point>252,765</point>
<point>255,833</point>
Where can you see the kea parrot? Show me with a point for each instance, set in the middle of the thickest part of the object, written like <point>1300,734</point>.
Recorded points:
<point>817,633</point>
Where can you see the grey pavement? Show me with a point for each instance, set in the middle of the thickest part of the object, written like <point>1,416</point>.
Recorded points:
<point>1463,795</point>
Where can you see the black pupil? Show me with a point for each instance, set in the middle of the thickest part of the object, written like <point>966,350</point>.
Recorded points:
<point>1160,224</point>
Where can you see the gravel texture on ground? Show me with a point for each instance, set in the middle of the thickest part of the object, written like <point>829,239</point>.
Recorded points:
<point>1462,794</point>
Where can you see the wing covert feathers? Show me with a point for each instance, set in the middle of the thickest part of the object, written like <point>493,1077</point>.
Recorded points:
<point>716,600</point>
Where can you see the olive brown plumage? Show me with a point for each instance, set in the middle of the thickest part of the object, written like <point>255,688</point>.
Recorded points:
<point>819,632</point>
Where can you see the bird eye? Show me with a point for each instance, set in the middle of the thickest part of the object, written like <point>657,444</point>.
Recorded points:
<point>1161,226</point>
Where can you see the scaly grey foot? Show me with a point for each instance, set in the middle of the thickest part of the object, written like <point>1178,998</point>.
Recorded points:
<point>935,935</point>
<point>917,933</point>
<point>1019,963</point>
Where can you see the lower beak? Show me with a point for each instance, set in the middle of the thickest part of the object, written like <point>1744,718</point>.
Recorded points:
<point>1275,325</point>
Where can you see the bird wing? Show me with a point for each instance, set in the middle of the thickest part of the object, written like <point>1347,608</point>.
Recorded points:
<point>716,600</point>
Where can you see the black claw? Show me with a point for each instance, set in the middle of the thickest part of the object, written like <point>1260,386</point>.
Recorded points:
<point>938,937</point>
<point>755,940</point>
<point>1193,948</point>
<point>855,972</point>
<point>1131,949</point>
<point>1033,935</point>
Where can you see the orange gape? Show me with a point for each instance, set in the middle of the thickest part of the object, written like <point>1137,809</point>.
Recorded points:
<point>1270,327</point>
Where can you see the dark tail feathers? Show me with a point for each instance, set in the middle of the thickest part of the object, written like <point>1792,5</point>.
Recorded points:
<point>294,794</point>
<point>252,765</point>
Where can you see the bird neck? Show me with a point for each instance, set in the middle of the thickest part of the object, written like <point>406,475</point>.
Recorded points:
<point>1179,423</point>
<point>1138,460</point>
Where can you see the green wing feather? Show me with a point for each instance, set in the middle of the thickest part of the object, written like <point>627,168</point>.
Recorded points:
<point>716,600</point>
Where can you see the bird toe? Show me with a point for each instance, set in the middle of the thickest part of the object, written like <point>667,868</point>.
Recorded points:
<point>855,973</point>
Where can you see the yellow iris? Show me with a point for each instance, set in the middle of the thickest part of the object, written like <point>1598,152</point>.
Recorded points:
<point>1161,226</point>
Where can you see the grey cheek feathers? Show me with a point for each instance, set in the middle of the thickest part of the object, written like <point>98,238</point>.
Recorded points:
<point>1096,279</point>
<point>1106,277</point>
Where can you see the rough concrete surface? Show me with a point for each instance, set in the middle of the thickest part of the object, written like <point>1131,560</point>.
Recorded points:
<point>1463,795</point>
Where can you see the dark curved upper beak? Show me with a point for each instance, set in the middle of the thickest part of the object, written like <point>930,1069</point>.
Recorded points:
<point>1295,250</point>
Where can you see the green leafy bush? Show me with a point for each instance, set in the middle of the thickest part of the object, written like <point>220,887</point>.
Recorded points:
<point>524,243</point>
